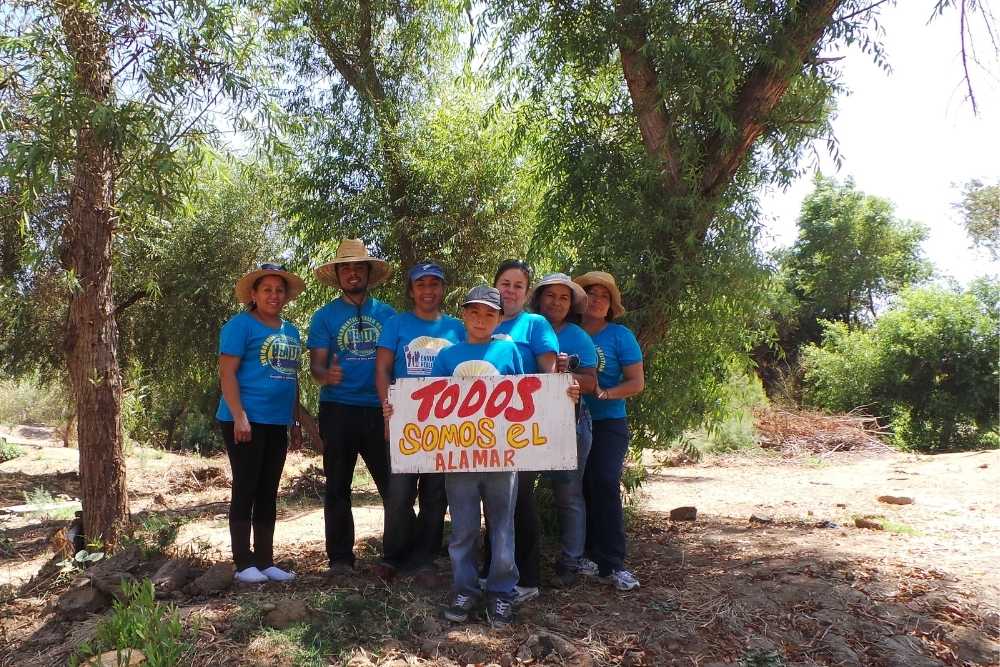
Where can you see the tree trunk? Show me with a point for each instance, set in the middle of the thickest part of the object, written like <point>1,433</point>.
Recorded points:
<point>92,334</point>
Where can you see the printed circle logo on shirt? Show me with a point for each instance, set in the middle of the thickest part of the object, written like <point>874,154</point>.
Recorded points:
<point>359,336</point>
<point>421,352</point>
<point>281,353</point>
<point>600,359</point>
<point>475,368</point>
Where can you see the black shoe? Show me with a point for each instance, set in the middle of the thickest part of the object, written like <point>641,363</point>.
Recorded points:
<point>460,607</point>
<point>499,612</point>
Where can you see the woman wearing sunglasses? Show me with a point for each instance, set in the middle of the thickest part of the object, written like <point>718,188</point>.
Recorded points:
<point>258,370</point>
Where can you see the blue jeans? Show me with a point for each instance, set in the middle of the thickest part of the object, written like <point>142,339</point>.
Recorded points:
<point>602,491</point>
<point>498,491</point>
<point>567,491</point>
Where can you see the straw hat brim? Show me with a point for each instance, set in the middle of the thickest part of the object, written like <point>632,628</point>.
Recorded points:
<point>377,274</point>
<point>579,294</point>
<point>245,284</point>
<point>605,281</point>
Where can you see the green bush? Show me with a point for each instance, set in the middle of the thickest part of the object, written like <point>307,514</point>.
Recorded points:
<point>29,401</point>
<point>9,451</point>
<point>929,366</point>
<point>139,622</point>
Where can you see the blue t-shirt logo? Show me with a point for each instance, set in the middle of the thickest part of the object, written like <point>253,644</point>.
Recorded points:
<point>601,360</point>
<point>281,353</point>
<point>359,337</point>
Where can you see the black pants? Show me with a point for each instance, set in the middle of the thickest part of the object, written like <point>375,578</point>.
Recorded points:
<point>602,491</point>
<point>527,533</point>
<point>408,539</point>
<point>349,430</point>
<point>256,473</point>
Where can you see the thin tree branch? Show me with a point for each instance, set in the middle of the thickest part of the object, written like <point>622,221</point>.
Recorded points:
<point>133,298</point>
<point>861,11</point>
<point>965,60</point>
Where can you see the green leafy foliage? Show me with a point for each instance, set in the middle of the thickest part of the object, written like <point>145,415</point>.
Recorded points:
<point>9,451</point>
<point>851,255</point>
<point>138,621</point>
<point>980,211</point>
<point>929,366</point>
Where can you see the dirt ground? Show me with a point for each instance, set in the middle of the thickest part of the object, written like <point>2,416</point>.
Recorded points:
<point>773,570</point>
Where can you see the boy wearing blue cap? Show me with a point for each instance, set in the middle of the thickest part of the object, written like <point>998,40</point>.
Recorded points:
<point>407,347</point>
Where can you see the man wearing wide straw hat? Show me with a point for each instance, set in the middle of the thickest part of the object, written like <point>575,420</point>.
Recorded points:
<point>342,342</point>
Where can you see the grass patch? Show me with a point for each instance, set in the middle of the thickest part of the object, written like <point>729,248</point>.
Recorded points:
<point>40,496</point>
<point>139,622</point>
<point>9,451</point>
<point>888,525</point>
<point>28,401</point>
<point>341,622</point>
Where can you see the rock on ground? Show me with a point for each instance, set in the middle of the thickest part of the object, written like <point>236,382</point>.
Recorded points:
<point>216,579</point>
<point>172,575</point>
<point>287,613</point>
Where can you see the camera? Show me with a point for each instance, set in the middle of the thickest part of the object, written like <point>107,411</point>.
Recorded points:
<point>574,361</point>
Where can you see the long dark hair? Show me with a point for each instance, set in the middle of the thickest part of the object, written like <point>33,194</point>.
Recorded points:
<point>518,264</point>
<point>536,304</point>
<point>252,306</point>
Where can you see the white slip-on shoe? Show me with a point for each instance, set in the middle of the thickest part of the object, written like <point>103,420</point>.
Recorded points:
<point>277,574</point>
<point>251,575</point>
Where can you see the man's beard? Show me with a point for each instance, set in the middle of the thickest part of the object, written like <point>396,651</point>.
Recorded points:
<point>360,288</point>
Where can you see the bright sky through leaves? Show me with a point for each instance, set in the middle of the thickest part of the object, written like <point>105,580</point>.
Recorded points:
<point>910,135</point>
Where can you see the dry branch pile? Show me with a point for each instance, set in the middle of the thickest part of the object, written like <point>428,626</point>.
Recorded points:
<point>817,433</point>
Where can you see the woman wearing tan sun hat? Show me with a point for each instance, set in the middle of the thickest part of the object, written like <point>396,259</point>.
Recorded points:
<point>619,376</point>
<point>343,338</point>
<point>258,370</point>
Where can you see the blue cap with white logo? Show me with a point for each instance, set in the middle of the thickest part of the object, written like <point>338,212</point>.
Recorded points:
<point>424,270</point>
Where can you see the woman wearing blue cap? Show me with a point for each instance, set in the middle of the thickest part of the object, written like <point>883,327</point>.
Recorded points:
<point>407,347</point>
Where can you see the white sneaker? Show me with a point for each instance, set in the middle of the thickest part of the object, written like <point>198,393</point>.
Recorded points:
<point>277,574</point>
<point>524,593</point>
<point>586,567</point>
<point>251,575</point>
<point>623,580</point>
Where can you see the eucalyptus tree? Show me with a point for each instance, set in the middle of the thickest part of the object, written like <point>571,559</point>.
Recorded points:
<point>398,143</point>
<point>103,115</point>
<point>660,122</point>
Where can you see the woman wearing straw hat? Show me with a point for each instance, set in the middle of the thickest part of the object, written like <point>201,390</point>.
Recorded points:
<point>258,369</point>
<point>561,302</point>
<point>619,376</point>
<point>343,337</point>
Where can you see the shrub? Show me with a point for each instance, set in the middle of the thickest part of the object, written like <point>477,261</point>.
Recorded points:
<point>139,622</point>
<point>9,451</point>
<point>929,366</point>
<point>29,401</point>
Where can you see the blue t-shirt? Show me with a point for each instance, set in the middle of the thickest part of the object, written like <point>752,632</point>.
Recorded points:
<point>337,328</point>
<point>415,342</point>
<point>574,340</point>
<point>533,335</point>
<point>269,367</point>
<point>616,348</point>
<point>497,357</point>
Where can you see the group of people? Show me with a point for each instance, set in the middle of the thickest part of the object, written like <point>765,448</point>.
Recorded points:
<point>358,346</point>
